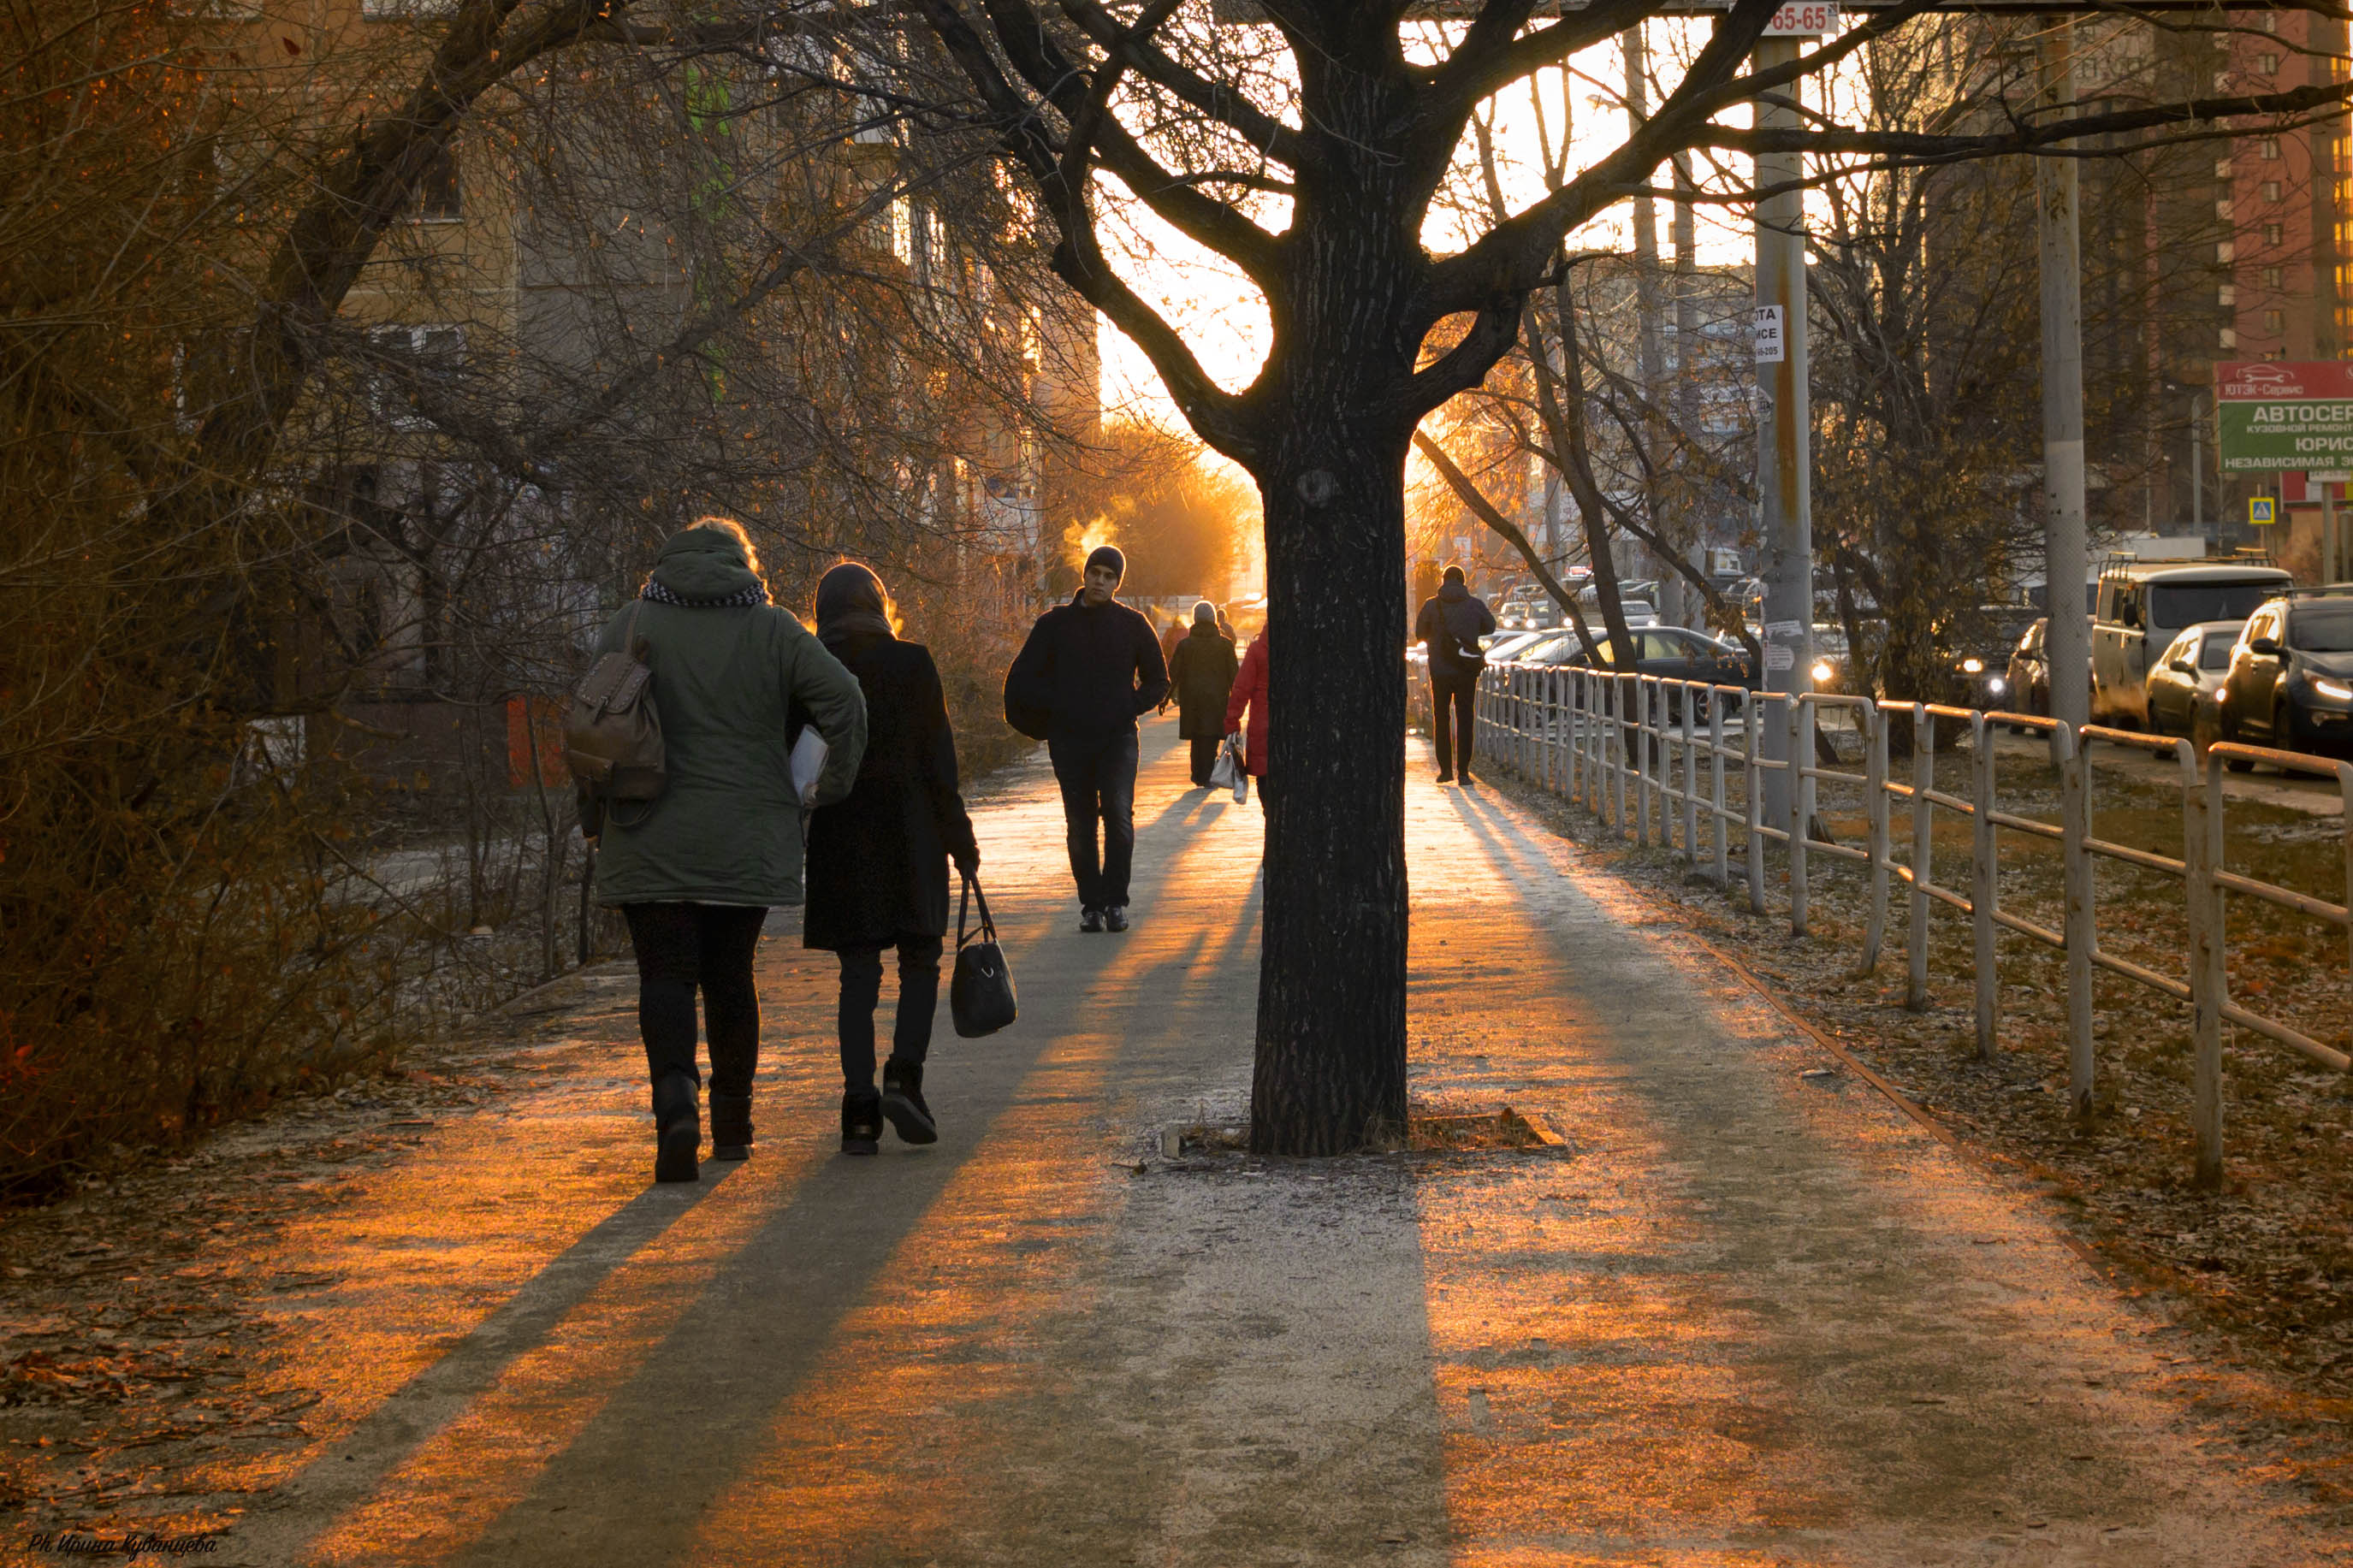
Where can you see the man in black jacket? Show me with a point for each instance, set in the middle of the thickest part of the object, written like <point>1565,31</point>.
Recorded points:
<point>1450,624</point>
<point>1089,669</point>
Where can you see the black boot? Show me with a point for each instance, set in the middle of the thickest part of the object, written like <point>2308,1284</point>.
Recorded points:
<point>678,1129</point>
<point>902,1102</point>
<point>731,1126</point>
<point>861,1121</point>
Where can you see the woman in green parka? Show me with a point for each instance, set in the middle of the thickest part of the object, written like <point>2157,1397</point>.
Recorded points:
<point>696,871</point>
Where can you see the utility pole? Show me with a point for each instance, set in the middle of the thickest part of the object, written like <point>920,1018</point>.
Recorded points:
<point>1784,447</point>
<point>1632,48</point>
<point>2066,554</point>
<point>1686,345</point>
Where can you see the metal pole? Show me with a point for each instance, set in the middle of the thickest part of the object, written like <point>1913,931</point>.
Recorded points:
<point>2332,557</point>
<point>2066,555</point>
<point>2196,464</point>
<point>1784,457</point>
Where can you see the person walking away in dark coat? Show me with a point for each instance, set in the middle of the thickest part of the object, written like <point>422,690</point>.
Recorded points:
<point>1202,673</point>
<point>878,858</point>
<point>1450,624</point>
<point>1249,696</point>
<point>1093,667</point>
<point>696,870</point>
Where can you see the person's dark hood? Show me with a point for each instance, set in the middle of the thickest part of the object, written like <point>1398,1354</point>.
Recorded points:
<point>703,563</point>
<point>1453,593</point>
<point>1206,629</point>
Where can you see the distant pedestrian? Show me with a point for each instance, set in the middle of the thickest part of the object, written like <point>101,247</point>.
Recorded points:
<point>1248,695</point>
<point>1226,630</point>
<point>1450,625</point>
<point>1091,668</point>
<point>878,858</point>
<point>1168,641</point>
<point>696,871</point>
<point>1201,672</point>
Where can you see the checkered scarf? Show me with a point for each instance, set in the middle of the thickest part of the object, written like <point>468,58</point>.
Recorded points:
<point>754,595</point>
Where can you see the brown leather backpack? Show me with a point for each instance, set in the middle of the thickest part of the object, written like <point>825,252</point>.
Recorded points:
<point>612,737</point>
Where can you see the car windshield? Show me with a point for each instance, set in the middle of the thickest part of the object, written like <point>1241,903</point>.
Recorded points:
<point>2180,604</point>
<point>2321,629</point>
<point>2216,654</point>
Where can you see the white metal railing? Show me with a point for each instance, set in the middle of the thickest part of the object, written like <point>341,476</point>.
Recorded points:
<point>1649,756</point>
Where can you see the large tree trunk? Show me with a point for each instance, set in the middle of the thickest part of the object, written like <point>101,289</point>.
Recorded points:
<point>1331,1063</point>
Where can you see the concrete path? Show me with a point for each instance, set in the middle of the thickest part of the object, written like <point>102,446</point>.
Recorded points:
<point>1750,1316</point>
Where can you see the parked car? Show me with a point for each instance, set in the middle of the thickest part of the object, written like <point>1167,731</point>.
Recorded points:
<point>1670,653</point>
<point>2144,604</point>
<point>2190,669</point>
<point>2290,682</point>
<point>2029,671</point>
<point>1503,647</point>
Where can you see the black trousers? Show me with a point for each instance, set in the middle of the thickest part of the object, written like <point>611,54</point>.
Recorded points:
<point>683,947</point>
<point>1205,756</point>
<point>862,991</point>
<point>1097,779</point>
<point>1452,705</point>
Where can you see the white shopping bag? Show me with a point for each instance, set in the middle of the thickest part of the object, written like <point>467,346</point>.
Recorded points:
<point>1232,756</point>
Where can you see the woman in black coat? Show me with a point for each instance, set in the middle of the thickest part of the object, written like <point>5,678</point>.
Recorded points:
<point>878,861</point>
<point>1201,671</point>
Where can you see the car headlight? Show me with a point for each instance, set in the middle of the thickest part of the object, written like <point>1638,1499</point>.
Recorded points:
<point>1823,671</point>
<point>2334,690</point>
<point>1996,685</point>
<point>1972,667</point>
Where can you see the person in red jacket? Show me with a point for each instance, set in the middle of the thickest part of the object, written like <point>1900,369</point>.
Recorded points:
<point>1249,694</point>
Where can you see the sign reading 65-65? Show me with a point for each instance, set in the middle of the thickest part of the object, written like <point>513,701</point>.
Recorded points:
<point>1803,21</point>
<point>2284,414</point>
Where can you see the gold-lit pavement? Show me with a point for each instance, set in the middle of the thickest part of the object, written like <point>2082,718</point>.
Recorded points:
<point>1749,1318</point>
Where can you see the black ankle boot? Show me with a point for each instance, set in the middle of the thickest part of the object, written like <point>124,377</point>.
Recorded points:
<point>731,1126</point>
<point>902,1102</point>
<point>861,1121</point>
<point>678,1129</point>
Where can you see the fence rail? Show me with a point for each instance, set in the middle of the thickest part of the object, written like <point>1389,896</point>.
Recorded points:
<point>1650,755</point>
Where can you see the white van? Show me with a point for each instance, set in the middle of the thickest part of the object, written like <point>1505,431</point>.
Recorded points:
<point>2144,604</point>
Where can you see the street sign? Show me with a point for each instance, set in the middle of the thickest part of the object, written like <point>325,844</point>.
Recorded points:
<point>2274,414</point>
<point>1803,20</point>
<point>1765,335</point>
<point>2261,512</point>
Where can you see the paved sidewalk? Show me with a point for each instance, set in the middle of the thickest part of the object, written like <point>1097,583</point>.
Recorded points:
<point>1751,1316</point>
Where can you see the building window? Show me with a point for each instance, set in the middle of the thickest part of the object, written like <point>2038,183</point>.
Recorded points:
<point>2269,146</point>
<point>2267,64</point>
<point>2222,209</point>
<point>2275,321</point>
<point>2271,277</point>
<point>2273,233</point>
<point>438,197</point>
<point>2229,338</point>
<point>2228,294</point>
<point>2271,190</point>
<point>414,367</point>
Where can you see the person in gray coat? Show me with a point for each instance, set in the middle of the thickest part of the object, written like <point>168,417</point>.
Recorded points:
<point>696,870</point>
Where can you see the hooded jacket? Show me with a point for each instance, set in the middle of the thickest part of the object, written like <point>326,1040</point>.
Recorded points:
<point>1088,670</point>
<point>1202,671</point>
<point>1449,619</point>
<point>726,829</point>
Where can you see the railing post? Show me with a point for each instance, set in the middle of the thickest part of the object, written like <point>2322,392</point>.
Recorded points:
<point>1874,784</point>
<point>1621,768</point>
<point>1801,807</point>
<point>2208,980</point>
<point>1719,830</point>
<point>1754,803</point>
<point>1690,776</point>
<point>1924,779</point>
<point>1982,889</point>
<point>2081,931</point>
<point>1642,763</point>
<point>1576,736</point>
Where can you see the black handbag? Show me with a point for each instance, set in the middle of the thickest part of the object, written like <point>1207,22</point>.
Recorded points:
<point>980,995</point>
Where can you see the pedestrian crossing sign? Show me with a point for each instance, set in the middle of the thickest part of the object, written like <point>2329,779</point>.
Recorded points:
<point>2260,511</point>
